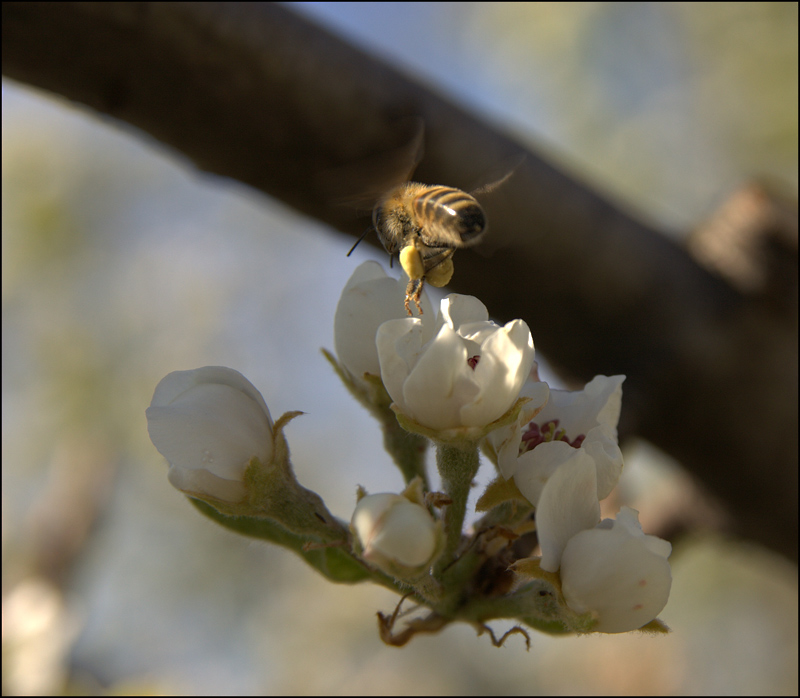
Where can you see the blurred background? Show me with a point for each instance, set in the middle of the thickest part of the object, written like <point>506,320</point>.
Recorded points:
<point>121,263</point>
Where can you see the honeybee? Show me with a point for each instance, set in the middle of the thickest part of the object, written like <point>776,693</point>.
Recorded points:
<point>423,225</point>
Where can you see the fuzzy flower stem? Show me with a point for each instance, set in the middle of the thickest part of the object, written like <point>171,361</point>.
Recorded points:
<point>457,468</point>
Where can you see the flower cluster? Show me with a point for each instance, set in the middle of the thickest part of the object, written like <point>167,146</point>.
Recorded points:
<point>462,382</point>
<point>564,462</point>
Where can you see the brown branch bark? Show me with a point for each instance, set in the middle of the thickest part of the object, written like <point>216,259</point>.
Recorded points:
<point>256,93</point>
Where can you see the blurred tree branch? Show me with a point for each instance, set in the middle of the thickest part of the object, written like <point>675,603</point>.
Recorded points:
<point>259,94</point>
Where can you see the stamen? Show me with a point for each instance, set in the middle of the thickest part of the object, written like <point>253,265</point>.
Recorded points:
<point>549,431</point>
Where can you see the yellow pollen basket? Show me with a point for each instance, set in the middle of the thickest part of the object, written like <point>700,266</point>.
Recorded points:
<point>411,261</point>
<point>441,274</point>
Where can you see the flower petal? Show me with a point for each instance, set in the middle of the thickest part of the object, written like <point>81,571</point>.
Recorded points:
<point>456,310</point>
<point>506,359</point>
<point>601,444</point>
<point>579,411</point>
<point>568,505</point>
<point>441,382</point>
<point>535,467</point>
<point>203,482</point>
<point>408,534</point>
<point>399,344</point>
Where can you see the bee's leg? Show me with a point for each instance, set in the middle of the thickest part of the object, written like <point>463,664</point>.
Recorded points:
<point>409,295</point>
<point>414,293</point>
<point>418,294</point>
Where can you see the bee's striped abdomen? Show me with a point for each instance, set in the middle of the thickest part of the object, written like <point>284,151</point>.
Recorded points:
<point>448,217</point>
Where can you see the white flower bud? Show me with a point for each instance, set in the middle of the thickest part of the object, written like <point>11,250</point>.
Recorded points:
<point>369,299</point>
<point>468,375</point>
<point>618,573</point>
<point>209,423</point>
<point>396,535</point>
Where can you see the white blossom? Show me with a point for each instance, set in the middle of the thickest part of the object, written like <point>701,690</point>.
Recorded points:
<point>608,568</point>
<point>584,419</point>
<point>209,423</point>
<point>369,299</point>
<point>468,375</point>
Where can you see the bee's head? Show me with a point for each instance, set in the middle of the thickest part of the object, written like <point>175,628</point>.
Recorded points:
<point>377,216</point>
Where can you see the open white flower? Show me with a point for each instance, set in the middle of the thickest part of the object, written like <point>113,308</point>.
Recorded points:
<point>209,423</point>
<point>369,299</point>
<point>467,376</point>
<point>609,568</point>
<point>583,419</point>
<point>617,573</point>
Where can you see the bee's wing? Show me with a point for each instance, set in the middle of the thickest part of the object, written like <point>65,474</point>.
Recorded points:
<point>491,194</point>
<point>362,184</point>
<point>498,176</point>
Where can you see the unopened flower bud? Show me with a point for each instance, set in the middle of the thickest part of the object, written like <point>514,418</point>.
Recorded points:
<point>617,573</point>
<point>395,534</point>
<point>209,423</point>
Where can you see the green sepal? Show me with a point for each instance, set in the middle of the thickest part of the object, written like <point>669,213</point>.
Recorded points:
<point>542,602</point>
<point>538,604</point>
<point>499,491</point>
<point>460,435</point>
<point>655,627</point>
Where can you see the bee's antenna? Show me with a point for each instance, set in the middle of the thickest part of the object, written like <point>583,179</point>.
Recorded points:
<point>363,235</point>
